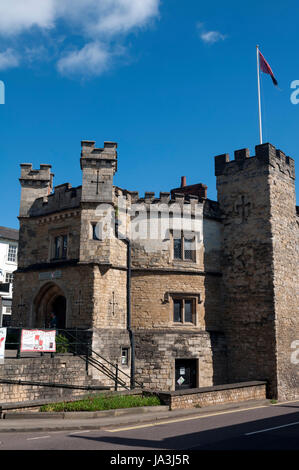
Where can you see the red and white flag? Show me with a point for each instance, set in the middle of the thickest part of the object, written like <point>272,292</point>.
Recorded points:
<point>265,67</point>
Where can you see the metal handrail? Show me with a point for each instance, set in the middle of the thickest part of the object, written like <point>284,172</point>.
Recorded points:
<point>108,362</point>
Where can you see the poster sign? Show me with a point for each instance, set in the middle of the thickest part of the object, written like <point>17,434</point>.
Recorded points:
<point>2,343</point>
<point>181,380</point>
<point>38,341</point>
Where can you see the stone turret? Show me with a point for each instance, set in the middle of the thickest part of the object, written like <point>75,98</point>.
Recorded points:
<point>99,166</point>
<point>260,266</point>
<point>35,184</point>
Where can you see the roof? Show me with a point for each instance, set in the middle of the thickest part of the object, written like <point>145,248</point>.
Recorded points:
<point>9,233</point>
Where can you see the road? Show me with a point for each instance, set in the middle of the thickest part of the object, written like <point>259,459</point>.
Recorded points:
<point>265,427</point>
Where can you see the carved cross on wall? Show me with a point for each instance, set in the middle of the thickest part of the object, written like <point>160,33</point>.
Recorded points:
<point>79,302</point>
<point>98,182</point>
<point>113,303</point>
<point>21,305</point>
<point>242,208</point>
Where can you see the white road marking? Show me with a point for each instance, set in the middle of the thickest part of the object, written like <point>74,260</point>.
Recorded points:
<point>179,420</point>
<point>271,429</point>
<point>33,438</point>
<point>170,421</point>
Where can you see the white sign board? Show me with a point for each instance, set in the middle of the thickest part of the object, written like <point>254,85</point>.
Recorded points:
<point>2,343</point>
<point>38,341</point>
<point>180,381</point>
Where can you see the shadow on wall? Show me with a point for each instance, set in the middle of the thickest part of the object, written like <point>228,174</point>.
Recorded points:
<point>213,305</point>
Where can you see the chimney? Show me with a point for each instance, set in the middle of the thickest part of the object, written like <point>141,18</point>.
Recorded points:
<point>183,181</point>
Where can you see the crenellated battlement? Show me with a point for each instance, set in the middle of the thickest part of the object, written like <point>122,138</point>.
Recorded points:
<point>183,194</point>
<point>34,184</point>
<point>265,154</point>
<point>29,174</point>
<point>64,197</point>
<point>88,146</point>
<point>188,201</point>
<point>92,156</point>
<point>99,165</point>
<point>164,198</point>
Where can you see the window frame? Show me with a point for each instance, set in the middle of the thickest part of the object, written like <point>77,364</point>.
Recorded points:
<point>183,250</point>
<point>182,299</point>
<point>127,351</point>
<point>93,232</point>
<point>11,276</point>
<point>13,254</point>
<point>60,246</point>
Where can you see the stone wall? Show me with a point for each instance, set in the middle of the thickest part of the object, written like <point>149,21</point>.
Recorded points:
<point>260,266</point>
<point>156,351</point>
<point>285,233</point>
<point>60,370</point>
<point>33,296</point>
<point>109,343</point>
<point>152,298</point>
<point>37,234</point>
<point>218,395</point>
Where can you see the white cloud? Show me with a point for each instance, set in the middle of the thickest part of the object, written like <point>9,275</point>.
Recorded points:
<point>97,22</point>
<point>212,36</point>
<point>209,37</point>
<point>17,16</point>
<point>102,17</point>
<point>8,59</point>
<point>126,15</point>
<point>92,59</point>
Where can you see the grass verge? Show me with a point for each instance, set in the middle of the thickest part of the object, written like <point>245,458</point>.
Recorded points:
<point>102,402</point>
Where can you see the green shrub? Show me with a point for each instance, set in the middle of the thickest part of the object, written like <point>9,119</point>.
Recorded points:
<point>102,402</point>
<point>62,344</point>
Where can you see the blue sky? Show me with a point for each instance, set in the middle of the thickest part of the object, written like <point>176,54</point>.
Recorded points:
<point>172,81</point>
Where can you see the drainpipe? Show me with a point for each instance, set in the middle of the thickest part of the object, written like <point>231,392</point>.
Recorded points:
<point>131,333</point>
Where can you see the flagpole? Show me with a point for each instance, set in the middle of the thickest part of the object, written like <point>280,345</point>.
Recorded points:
<point>259,93</point>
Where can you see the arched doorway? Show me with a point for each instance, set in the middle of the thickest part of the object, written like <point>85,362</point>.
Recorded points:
<point>59,308</point>
<point>50,298</point>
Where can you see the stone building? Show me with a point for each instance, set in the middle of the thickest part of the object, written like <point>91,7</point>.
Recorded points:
<point>181,290</point>
<point>8,264</point>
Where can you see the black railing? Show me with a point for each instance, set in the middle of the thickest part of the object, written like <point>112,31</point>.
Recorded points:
<point>75,341</point>
<point>114,374</point>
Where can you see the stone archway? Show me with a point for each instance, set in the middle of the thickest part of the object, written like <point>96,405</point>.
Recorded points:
<point>50,298</point>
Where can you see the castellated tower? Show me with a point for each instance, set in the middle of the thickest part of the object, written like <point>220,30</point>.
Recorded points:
<point>34,184</point>
<point>99,166</point>
<point>260,266</point>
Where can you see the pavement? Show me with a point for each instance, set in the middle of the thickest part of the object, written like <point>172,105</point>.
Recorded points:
<point>23,422</point>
